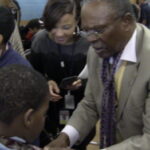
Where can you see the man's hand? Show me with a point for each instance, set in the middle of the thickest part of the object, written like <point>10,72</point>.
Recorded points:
<point>61,141</point>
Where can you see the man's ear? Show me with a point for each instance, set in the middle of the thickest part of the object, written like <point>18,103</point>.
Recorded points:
<point>1,38</point>
<point>28,117</point>
<point>127,21</point>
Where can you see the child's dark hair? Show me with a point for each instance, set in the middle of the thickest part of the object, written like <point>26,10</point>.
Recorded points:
<point>7,23</point>
<point>21,88</point>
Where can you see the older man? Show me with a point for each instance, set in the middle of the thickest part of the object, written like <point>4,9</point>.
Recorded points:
<point>118,87</point>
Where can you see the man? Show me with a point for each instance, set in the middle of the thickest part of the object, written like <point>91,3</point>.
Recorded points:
<point>124,109</point>
<point>7,53</point>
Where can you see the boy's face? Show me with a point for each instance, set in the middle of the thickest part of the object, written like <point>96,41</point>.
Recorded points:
<point>38,121</point>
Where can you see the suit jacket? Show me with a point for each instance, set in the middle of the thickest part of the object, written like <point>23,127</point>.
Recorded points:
<point>133,115</point>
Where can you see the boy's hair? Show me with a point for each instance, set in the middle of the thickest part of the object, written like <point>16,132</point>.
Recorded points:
<point>7,23</point>
<point>21,88</point>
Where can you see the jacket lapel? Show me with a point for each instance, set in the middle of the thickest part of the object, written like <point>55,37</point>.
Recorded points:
<point>130,75</point>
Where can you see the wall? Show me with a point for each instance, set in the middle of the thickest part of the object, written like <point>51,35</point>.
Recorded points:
<point>31,8</point>
<point>34,8</point>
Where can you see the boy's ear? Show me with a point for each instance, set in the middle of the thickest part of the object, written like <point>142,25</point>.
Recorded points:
<point>1,38</point>
<point>28,117</point>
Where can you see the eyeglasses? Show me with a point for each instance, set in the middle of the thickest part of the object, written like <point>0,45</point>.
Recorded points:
<point>97,32</point>
<point>94,32</point>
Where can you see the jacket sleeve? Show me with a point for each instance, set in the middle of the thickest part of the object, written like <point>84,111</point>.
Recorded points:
<point>86,115</point>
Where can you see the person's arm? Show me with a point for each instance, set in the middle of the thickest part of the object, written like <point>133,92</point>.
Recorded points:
<point>61,141</point>
<point>86,114</point>
<point>67,138</point>
<point>72,133</point>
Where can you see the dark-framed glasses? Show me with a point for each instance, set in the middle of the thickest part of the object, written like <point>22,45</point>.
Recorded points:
<point>98,31</point>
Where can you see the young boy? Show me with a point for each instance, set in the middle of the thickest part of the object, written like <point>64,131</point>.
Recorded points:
<point>7,54</point>
<point>24,100</point>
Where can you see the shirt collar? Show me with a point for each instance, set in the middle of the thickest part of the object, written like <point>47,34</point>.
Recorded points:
<point>16,138</point>
<point>129,52</point>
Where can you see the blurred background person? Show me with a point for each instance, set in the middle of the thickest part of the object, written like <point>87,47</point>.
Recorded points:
<point>145,13</point>
<point>15,38</point>
<point>136,11</point>
<point>28,31</point>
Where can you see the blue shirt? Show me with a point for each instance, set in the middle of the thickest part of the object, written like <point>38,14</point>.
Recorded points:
<point>12,57</point>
